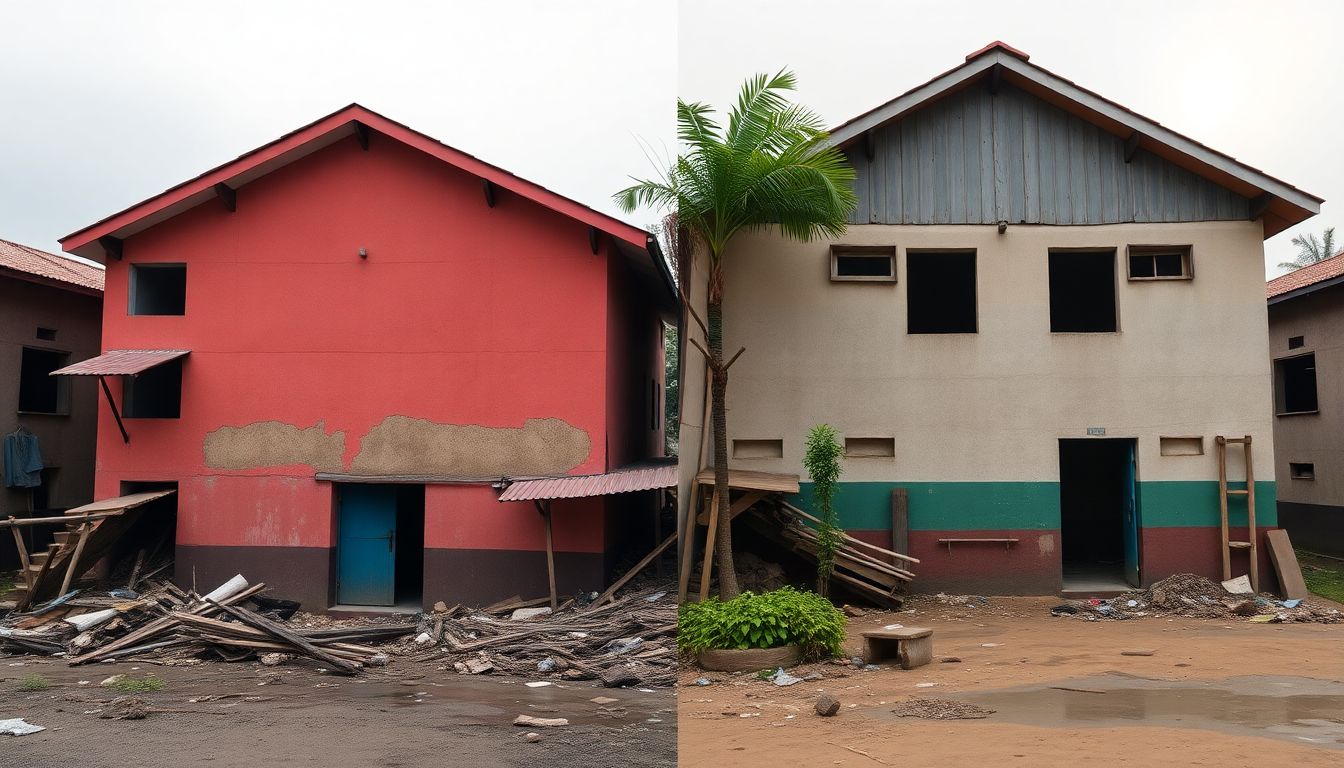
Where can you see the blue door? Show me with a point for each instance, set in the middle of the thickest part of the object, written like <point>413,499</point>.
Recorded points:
<point>1130,496</point>
<point>366,558</point>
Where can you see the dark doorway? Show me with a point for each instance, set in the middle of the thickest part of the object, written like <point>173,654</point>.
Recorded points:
<point>380,553</point>
<point>1098,514</point>
<point>150,535</point>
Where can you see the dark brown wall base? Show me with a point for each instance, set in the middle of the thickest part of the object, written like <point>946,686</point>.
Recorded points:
<point>291,573</point>
<point>1314,527</point>
<point>484,576</point>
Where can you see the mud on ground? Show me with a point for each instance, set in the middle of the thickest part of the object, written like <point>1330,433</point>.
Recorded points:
<point>1189,703</point>
<point>245,715</point>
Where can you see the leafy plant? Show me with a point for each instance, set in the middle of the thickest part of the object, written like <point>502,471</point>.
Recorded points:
<point>1311,250</point>
<point>147,684</point>
<point>772,167</point>
<point>821,457</point>
<point>770,620</point>
<point>34,682</point>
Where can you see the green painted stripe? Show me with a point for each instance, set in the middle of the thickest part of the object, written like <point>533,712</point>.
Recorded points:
<point>1029,505</point>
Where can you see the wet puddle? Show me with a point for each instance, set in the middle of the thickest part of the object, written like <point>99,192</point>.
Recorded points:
<point>1300,709</point>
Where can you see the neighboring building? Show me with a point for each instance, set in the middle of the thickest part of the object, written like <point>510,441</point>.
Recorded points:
<point>1306,343</point>
<point>50,310</point>
<point>1045,309</point>
<point>338,347</point>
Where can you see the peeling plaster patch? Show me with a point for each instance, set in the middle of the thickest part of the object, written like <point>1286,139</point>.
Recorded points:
<point>274,444</point>
<point>402,445</point>
<point>1046,542</point>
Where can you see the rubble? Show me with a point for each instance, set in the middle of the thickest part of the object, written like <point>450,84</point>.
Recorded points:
<point>1185,594</point>
<point>628,641</point>
<point>941,709</point>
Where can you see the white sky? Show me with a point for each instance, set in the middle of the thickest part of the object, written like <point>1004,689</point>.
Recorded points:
<point>104,104</point>
<point>1262,82</point>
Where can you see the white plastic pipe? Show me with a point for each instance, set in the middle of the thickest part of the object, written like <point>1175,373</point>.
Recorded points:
<point>85,621</point>
<point>228,589</point>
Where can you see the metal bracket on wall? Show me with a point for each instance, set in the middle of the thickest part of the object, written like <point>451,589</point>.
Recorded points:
<point>116,414</point>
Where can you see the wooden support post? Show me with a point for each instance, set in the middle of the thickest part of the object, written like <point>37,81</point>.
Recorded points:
<point>630,574</point>
<point>1251,535</point>
<point>545,510</point>
<point>23,554</point>
<point>900,521</point>
<point>710,535</point>
<point>1221,443</point>
<point>73,565</point>
<point>688,543</point>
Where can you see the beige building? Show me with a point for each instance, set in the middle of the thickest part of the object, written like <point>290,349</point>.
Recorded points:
<point>1306,343</point>
<point>1043,312</point>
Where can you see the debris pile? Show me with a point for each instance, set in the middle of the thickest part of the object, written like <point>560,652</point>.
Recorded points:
<point>941,709</point>
<point>1185,594</point>
<point>167,625</point>
<point>629,641</point>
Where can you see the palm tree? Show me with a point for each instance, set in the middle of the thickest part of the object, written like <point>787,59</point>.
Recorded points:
<point>1310,250</point>
<point>773,166</point>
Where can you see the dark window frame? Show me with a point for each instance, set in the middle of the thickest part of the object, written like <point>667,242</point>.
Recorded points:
<point>153,377</point>
<point>133,289</point>
<point>1281,386</point>
<point>926,326</point>
<point>61,383</point>
<point>875,253</point>
<point>1302,470</point>
<point>1185,253</point>
<point>1052,255</point>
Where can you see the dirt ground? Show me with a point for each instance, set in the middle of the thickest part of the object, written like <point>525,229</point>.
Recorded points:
<point>405,714</point>
<point>1190,703</point>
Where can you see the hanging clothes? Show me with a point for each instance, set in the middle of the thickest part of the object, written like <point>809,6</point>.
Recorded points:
<point>23,459</point>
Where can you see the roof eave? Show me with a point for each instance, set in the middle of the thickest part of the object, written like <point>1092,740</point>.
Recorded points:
<point>1305,290</point>
<point>50,282</point>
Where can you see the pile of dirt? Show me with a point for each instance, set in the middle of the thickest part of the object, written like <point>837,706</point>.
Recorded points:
<point>1192,596</point>
<point>941,709</point>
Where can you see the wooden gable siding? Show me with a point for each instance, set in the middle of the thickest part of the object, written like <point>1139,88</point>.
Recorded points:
<point>977,158</point>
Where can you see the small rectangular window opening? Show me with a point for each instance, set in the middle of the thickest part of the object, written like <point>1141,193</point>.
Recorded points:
<point>1300,471</point>
<point>870,447</point>
<point>1296,342</point>
<point>46,334</point>
<point>1082,292</point>
<point>1159,262</point>
<point>155,393</point>
<point>1181,446</point>
<point>873,263</point>
<point>39,391</point>
<point>1295,385</point>
<point>158,289</point>
<point>940,291</point>
<point>758,449</point>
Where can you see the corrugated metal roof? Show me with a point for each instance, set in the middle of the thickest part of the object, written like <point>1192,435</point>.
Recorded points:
<point>644,477</point>
<point>1321,271</point>
<point>22,258</point>
<point>122,362</point>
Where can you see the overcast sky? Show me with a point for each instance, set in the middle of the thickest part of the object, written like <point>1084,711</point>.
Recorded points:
<point>107,103</point>
<point>1262,82</point>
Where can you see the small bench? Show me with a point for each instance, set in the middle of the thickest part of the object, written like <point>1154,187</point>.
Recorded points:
<point>910,646</point>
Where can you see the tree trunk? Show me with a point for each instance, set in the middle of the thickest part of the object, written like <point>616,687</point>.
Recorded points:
<point>723,544</point>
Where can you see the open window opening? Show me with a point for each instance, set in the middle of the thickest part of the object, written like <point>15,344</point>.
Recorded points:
<point>1295,385</point>
<point>155,393</point>
<point>940,291</point>
<point>1297,342</point>
<point>1160,262</point>
<point>39,391</point>
<point>1302,471</point>
<point>158,289</point>
<point>872,263</point>
<point>1082,292</point>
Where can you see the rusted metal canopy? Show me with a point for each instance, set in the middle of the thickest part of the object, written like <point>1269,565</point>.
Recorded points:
<point>642,477</point>
<point>122,362</point>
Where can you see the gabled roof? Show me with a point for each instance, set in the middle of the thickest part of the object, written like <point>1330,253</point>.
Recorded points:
<point>345,123</point>
<point>1308,279</point>
<point>1280,204</point>
<point>48,268</point>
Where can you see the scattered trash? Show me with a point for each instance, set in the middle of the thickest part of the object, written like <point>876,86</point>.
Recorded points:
<point>1060,610</point>
<point>1241,585</point>
<point>529,613</point>
<point>702,681</point>
<point>1292,603</point>
<point>782,678</point>
<point>539,684</point>
<point>546,665</point>
<point>17,727</point>
<point>1186,594</point>
<point>827,705</point>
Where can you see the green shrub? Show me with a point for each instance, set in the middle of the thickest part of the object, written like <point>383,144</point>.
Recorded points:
<point>821,457</point>
<point>34,682</point>
<point>783,617</point>
<point>147,684</point>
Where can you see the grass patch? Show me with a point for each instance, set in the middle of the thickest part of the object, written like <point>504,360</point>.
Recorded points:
<point>146,684</point>
<point>32,683</point>
<point>1324,575</point>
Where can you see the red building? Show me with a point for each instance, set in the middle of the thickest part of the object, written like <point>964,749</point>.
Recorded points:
<point>339,347</point>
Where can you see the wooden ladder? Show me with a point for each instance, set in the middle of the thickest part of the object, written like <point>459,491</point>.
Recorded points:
<point>1249,492</point>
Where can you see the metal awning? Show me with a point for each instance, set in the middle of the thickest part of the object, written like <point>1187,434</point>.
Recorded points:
<point>122,362</point>
<point>642,477</point>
